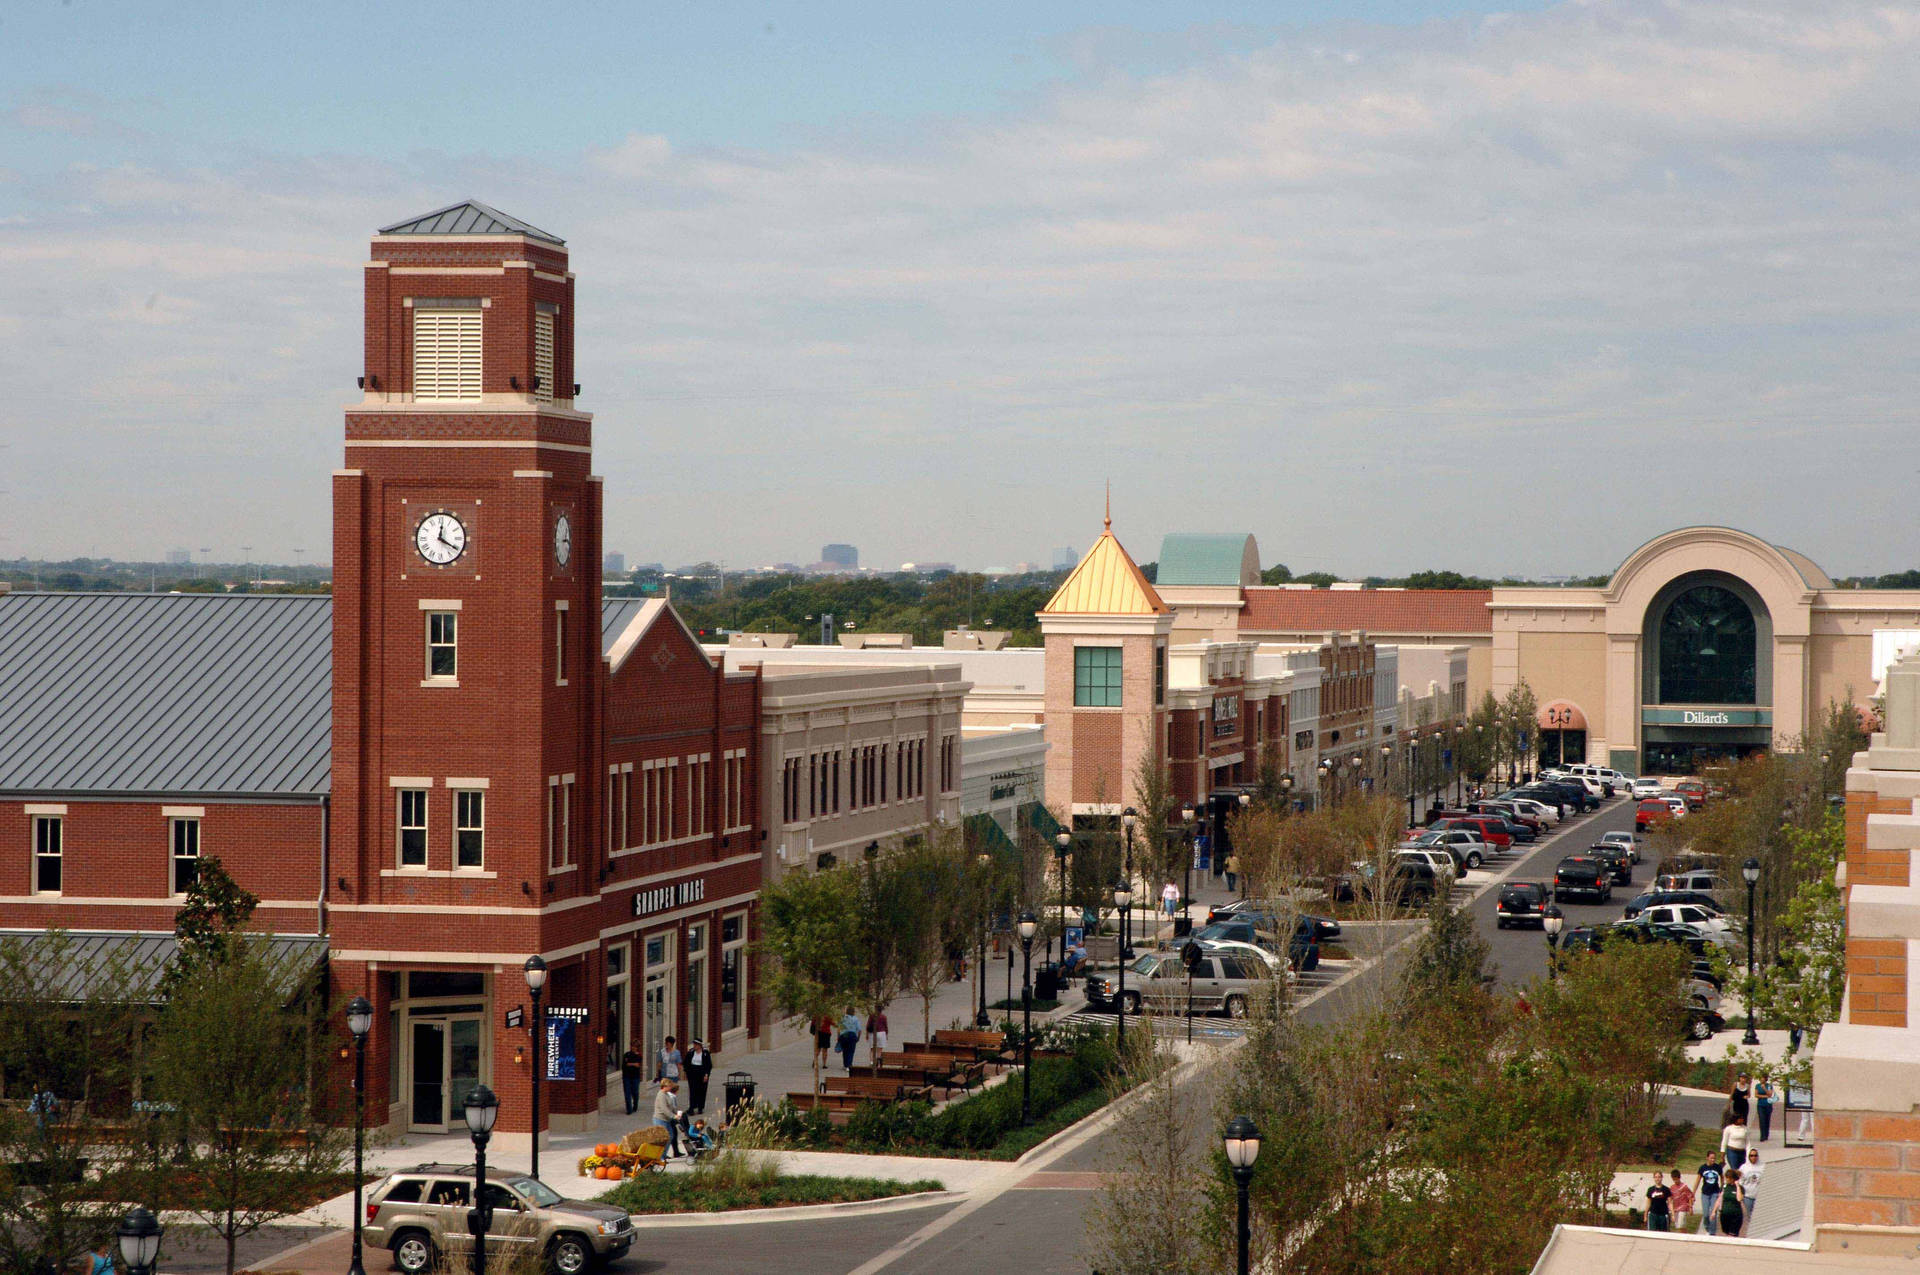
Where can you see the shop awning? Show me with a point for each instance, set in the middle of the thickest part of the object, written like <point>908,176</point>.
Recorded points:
<point>1562,714</point>
<point>126,968</point>
<point>986,836</point>
<point>1036,815</point>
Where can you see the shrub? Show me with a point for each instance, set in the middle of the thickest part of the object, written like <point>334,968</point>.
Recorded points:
<point>881,1126</point>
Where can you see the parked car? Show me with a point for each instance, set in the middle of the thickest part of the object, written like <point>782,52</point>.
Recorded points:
<point>1158,980</point>
<point>1522,902</point>
<point>1713,924</point>
<point>1694,791</point>
<point>1641,902</point>
<point>1411,882</point>
<point>1676,803</point>
<point>1582,875</point>
<point>1547,813</point>
<point>1641,930</point>
<point>1464,845</point>
<point>1439,861</point>
<point>1652,813</point>
<point>1490,830</point>
<point>1619,862</point>
<point>1570,792</point>
<point>1646,786</point>
<point>1627,839</point>
<point>1704,882</point>
<point>1264,916</point>
<point>1701,1023</point>
<point>420,1214</point>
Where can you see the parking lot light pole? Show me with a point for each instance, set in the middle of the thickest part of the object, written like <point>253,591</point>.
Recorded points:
<point>359,1022</point>
<point>1246,799</point>
<point>1187,813</point>
<point>980,1019</point>
<point>1242,1142</point>
<point>1750,872</point>
<point>1122,899</point>
<point>1553,921</point>
<point>1128,818</point>
<point>1028,924</point>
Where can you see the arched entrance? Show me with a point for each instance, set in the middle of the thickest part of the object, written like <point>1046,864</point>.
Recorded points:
<point>1706,673</point>
<point>1563,733</point>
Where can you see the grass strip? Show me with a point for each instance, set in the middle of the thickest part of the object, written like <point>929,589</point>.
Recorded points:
<point>689,1193</point>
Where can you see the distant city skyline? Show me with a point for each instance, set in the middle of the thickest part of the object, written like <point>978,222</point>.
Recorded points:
<point>1392,284</point>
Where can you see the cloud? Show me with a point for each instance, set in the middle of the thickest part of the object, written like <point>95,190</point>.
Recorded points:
<point>1625,264</point>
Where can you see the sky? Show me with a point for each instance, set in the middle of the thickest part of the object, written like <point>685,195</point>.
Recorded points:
<point>1392,284</point>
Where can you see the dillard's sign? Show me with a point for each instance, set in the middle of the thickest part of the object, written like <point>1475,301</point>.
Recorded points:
<point>1696,718</point>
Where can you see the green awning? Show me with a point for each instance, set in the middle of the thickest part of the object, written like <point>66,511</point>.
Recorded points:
<point>1042,820</point>
<point>985,835</point>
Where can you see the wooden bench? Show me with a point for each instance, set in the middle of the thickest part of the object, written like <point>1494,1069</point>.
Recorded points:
<point>987,1046</point>
<point>880,1088</point>
<point>935,1067</point>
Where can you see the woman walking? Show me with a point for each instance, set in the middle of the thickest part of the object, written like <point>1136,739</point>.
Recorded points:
<point>1732,1215</point>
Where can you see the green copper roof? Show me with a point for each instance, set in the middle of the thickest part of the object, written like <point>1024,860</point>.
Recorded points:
<point>1208,558</point>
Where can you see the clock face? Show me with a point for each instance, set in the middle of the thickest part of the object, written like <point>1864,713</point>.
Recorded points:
<point>562,539</point>
<point>440,538</point>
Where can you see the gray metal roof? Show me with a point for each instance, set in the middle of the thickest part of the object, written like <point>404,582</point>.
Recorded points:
<point>126,967</point>
<point>180,693</point>
<point>165,693</point>
<point>469,217</point>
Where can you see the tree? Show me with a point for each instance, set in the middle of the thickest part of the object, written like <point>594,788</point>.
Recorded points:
<point>1520,710</point>
<point>209,926</point>
<point>1161,851</point>
<point>67,1038</point>
<point>232,1056</point>
<point>1804,984</point>
<point>810,923</point>
<point>934,877</point>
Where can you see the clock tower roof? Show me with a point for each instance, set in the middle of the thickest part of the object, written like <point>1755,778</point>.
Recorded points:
<point>469,217</point>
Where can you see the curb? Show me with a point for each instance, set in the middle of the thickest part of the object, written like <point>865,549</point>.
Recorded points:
<point>797,1212</point>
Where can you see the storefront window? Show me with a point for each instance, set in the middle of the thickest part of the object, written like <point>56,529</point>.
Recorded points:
<point>733,944</point>
<point>1707,648</point>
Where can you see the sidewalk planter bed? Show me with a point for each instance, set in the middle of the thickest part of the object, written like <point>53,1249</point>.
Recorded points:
<point>689,1193</point>
<point>1069,1083</point>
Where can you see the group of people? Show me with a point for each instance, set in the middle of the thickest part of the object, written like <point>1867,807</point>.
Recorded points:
<point>846,1033</point>
<point>1725,1191</point>
<point>670,1067</point>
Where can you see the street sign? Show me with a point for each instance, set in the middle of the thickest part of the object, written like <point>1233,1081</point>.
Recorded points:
<point>515,1017</point>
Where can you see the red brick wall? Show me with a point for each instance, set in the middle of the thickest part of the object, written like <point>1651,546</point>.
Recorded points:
<point>1866,1169</point>
<point>1876,967</point>
<point>506,326</point>
<point>121,851</point>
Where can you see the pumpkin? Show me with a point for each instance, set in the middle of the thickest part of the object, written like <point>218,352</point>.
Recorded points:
<point>600,1172</point>
<point>614,1173</point>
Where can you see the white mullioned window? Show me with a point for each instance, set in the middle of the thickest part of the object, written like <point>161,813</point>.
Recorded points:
<point>410,814</point>
<point>443,644</point>
<point>543,356</point>
<point>469,828</point>
<point>186,853</point>
<point>446,354</point>
<point>48,860</point>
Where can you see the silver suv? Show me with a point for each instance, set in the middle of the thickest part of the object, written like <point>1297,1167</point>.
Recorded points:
<point>421,1215</point>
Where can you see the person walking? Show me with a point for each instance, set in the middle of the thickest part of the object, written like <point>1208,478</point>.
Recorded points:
<point>1682,1203</point>
<point>1763,1095</point>
<point>1659,1204</point>
<point>823,1033</point>
<point>633,1070</point>
<point>849,1036</point>
<point>877,1033</point>
<point>1711,1181</point>
<point>1750,1177</point>
<point>699,1069</point>
<point>667,1065</point>
<point>1233,874</point>
<point>1732,1216</point>
<point>1738,1100</point>
<point>1733,1141</point>
<point>666,1113</point>
<point>1170,899</point>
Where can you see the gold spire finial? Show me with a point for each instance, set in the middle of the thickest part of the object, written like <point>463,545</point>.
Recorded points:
<point>1109,504</point>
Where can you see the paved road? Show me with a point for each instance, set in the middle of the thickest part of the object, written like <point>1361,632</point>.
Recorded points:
<point>1039,1223</point>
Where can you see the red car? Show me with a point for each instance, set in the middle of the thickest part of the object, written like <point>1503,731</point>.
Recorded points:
<point>1492,831</point>
<point>1651,814</point>
<point>1694,791</point>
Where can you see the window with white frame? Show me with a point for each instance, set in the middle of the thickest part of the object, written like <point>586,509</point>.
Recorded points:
<point>469,828</point>
<point>186,854</point>
<point>410,812</point>
<point>48,831</point>
<point>543,353</point>
<point>443,644</point>
<point>446,353</point>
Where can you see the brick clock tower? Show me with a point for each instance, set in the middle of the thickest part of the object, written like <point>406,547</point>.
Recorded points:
<point>466,669</point>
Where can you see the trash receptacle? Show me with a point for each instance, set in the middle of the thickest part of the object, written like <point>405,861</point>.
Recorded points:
<point>739,1093</point>
<point>1046,981</point>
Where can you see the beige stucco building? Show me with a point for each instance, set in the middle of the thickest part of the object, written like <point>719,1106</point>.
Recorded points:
<point>1706,642</point>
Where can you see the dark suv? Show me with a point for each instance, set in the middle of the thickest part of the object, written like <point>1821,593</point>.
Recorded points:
<point>1644,901</point>
<point>1584,875</point>
<point>1521,902</point>
<point>1618,859</point>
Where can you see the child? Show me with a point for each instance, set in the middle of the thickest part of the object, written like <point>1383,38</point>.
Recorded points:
<point>699,1139</point>
<point>1682,1203</point>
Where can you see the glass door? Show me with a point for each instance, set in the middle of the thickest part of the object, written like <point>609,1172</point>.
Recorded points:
<point>463,1065</point>
<point>428,1108</point>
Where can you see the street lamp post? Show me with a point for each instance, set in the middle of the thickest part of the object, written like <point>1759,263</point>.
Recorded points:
<point>1553,921</point>
<point>1187,813</point>
<point>1459,790</point>
<point>1413,775</point>
<point>1386,769</point>
<point>1246,799</point>
<point>1128,818</point>
<point>536,971</point>
<point>359,1022</point>
<point>980,1019</point>
<point>1028,924</point>
<point>1122,899</point>
<point>139,1234</point>
<point>1326,778</point>
<point>1750,873</point>
<point>482,1109</point>
<point>1242,1142</point>
<point>1062,847</point>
